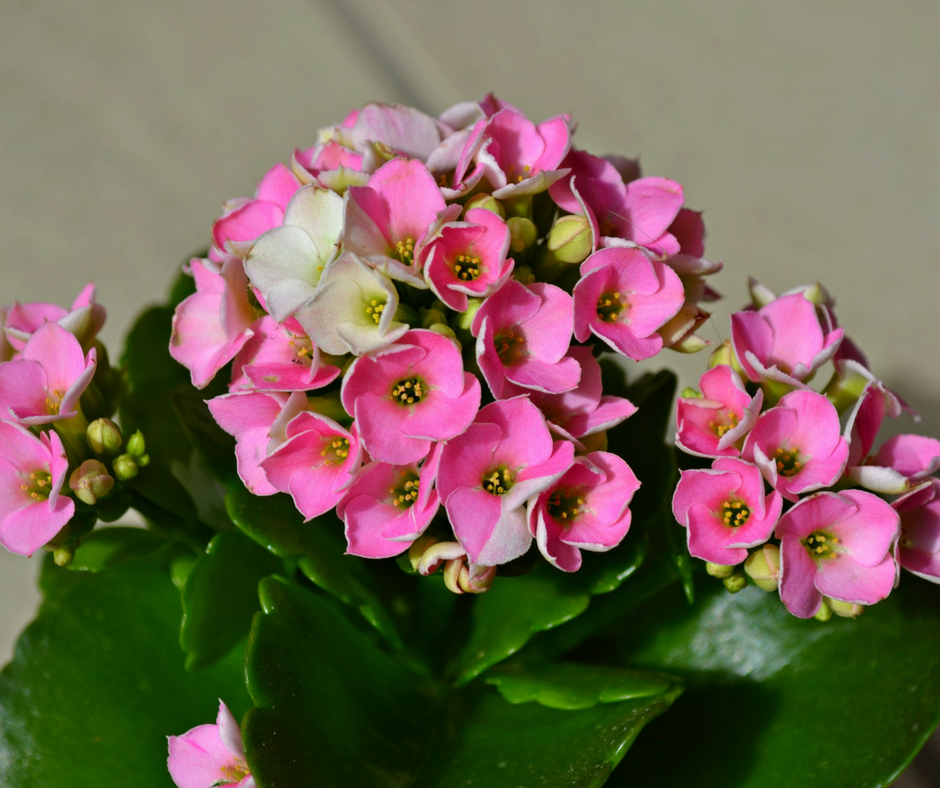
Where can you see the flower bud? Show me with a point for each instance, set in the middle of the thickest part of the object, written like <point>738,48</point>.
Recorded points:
<point>452,575</point>
<point>524,274</point>
<point>431,316</point>
<point>428,557</point>
<point>90,481</point>
<point>487,202</point>
<point>417,550</point>
<point>476,579</point>
<point>690,393</point>
<point>844,609</point>
<point>522,233</point>
<point>679,332</point>
<point>719,570</point>
<point>736,582</point>
<point>824,613</point>
<point>570,239</point>
<point>446,331</point>
<point>104,436</point>
<point>724,355</point>
<point>466,318</point>
<point>763,567</point>
<point>63,554</point>
<point>136,446</point>
<point>124,467</point>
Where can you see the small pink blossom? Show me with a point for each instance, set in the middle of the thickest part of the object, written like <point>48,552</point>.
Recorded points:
<point>624,298</point>
<point>409,394</point>
<point>210,755</point>
<point>715,424</point>
<point>919,543</point>
<point>20,321</point>
<point>32,472</point>
<point>798,445</point>
<point>837,545</point>
<point>404,130</point>
<point>725,510</point>
<point>586,509</point>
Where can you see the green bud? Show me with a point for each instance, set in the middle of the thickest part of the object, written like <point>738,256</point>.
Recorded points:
<point>446,331</point>
<point>136,445</point>
<point>487,202</point>
<point>570,239</point>
<point>763,567</point>
<point>64,554</point>
<point>522,233</point>
<point>844,609</point>
<point>690,393</point>
<point>524,274</point>
<point>90,481</point>
<point>418,548</point>
<point>719,570</point>
<point>724,354</point>
<point>143,461</point>
<point>405,314</point>
<point>124,467</point>
<point>737,582</point>
<point>844,388</point>
<point>465,320</point>
<point>824,613</point>
<point>431,316</point>
<point>104,436</point>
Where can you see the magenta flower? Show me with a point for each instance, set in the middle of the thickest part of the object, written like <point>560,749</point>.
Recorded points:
<point>715,424</point>
<point>315,464</point>
<point>486,475</point>
<point>725,510</point>
<point>210,755</point>
<point>45,383</point>
<point>467,258</point>
<point>522,336</point>
<point>586,509</point>
<point>19,322</point>
<point>624,298</point>
<point>408,395</point>
<point>783,341</point>
<point>32,471</point>
<point>919,543</point>
<point>837,545</point>
<point>798,445</point>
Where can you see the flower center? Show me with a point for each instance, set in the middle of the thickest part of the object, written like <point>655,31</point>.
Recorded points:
<point>235,773</point>
<point>508,346</point>
<point>820,545</point>
<point>513,177</point>
<point>375,309</point>
<point>38,485</point>
<point>610,306</point>
<point>53,405</point>
<point>729,422</point>
<point>405,493</point>
<point>303,351</point>
<point>735,513</point>
<point>788,462</point>
<point>498,481</point>
<point>410,391</point>
<point>405,251</point>
<point>565,505</point>
<point>467,267</point>
<point>335,450</point>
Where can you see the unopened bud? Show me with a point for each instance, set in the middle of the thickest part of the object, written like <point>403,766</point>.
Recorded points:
<point>90,481</point>
<point>844,609</point>
<point>761,295</point>
<point>763,567</point>
<point>104,437</point>
<point>690,393</point>
<point>432,315</point>
<point>136,446</point>
<point>476,579</point>
<point>522,233</point>
<point>487,202</point>
<point>719,570</point>
<point>524,274</point>
<point>452,570</point>
<point>417,549</point>
<point>679,331</point>
<point>446,331</point>
<point>724,355</point>
<point>571,239</point>
<point>737,582</point>
<point>64,554</point>
<point>824,613</point>
<point>466,317</point>
<point>434,553</point>
<point>125,468</point>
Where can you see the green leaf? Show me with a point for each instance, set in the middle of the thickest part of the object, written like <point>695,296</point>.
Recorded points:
<point>333,709</point>
<point>841,703</point>
<point>568,685</point>
<point>220,597</point>
<point>274,523</point>
<point>109,547</point>
<point>96,684</point>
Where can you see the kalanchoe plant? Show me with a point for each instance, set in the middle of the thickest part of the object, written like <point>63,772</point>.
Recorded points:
<point>418,511</point>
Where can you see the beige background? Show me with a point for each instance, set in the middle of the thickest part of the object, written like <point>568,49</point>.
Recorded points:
<point>807,132</point>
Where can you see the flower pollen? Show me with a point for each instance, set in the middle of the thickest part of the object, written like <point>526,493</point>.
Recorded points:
<point>335,450</point>
<point>38,485</point>
<point>508,346</point>
<point>405,251</point>
<point>565,505</point>
<point>467,267</point>
<point>235,773</point>
<point>498,481</point>
<point>410,391</point>
<point>735,513</point>
<point>821,545</point>
<point>610,306</point>
<point>721,427</point>
<point>375,310</point>
<point>788,463</point>
<point>513,178</point>
<point>405,493</point>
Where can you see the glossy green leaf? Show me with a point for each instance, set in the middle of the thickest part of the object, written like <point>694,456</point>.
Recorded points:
<point>97,683</point>
<point>274,522</point>
<point>333,709</point>
<point>220,597</point>
<point>105,548</point>
<point>835,704</point>
<point>569,685</point>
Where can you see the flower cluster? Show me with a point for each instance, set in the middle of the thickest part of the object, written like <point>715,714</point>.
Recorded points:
<point>412,309</point>
<point>785,465</point>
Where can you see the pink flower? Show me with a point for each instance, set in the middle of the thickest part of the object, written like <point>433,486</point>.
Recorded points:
<point>210,755</point>
<point>45,383</point>
<point>409,394</point>
<point>18,322</point>
<point>783,341</point>
<point>837,545</point>
<point>522,336</point>
<point>586,509</point>
<point>715,424</point>
<point>798,445</point>
<point>725,510</point>
<point>32,471</point>
<point>405,130</point>
<point>919,544</point>
<point>504,458</point>
<point>624,298</point>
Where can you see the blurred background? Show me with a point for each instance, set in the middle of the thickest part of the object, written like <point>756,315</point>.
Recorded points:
<point>808,133</point>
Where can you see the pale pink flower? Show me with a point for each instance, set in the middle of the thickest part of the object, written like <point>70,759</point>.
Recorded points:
<point>210,755</point>
<point>798,445</point>
<point>919,543</point>
<point>586,509</point>
<point>715,424</point>
<point>523,334</point>
<point>725,510</point>
<point>837,545</point>
<point>32,471</point>
<point>410,394</point>
<point>404,130</point>
<point>20,321</point>
<point>624,298</point>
